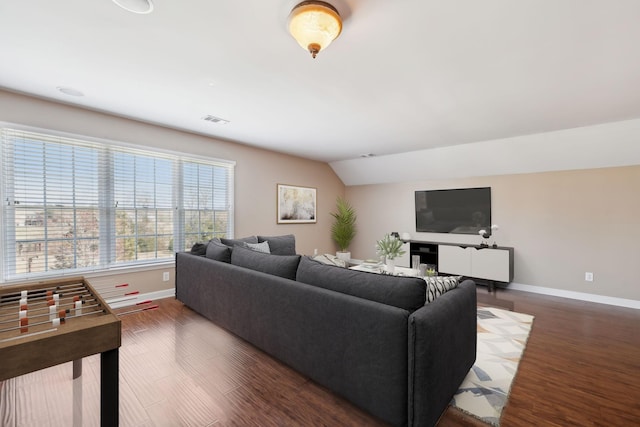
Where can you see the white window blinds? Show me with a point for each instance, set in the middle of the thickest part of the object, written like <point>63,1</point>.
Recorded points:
<point>71,205</point>
<point>207,195</point>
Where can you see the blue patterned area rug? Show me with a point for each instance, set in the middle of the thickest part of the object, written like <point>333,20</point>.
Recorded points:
<point>502,337</point>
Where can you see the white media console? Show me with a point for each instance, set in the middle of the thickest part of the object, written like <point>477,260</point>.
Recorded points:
<point>490,264</point>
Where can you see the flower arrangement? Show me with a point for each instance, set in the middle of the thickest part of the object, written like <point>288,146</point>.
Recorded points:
<point>389,246</point>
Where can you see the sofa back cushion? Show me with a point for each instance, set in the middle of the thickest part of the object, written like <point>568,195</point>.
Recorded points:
<point>280,245</point>
<point>239,242</point>
<point>403,292</point>
<point>278,265</point>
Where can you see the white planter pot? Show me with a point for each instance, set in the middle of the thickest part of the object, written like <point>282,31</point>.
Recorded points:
<point>345,256</point>
<point>390,265</point>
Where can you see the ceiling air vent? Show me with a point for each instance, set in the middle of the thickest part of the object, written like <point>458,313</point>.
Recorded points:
<point>214,119</point>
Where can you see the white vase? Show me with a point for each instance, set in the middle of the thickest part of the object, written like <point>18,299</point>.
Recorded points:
<point>390,265</point>
<point>345,256</point>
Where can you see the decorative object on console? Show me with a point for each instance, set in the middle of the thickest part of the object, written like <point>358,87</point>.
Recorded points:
<point>405,237</point>
<point>431,270</point>
<point>343,229</point>
<point>485,235</point>
<point>422,270</point>
<point>314,25</point>
<point>296,205</point>
<point>390,247</point>
<point>494,228</point>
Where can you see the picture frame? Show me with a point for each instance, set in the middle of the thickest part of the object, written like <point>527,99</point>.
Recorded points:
<point>296,204</point>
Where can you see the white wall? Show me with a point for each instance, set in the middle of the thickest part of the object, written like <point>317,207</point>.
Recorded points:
<point>257,173</point>
<point>561,224</point>
<point>589,147</point>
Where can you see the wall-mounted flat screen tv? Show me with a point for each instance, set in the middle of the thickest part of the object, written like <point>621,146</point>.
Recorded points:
<point>459,211</point>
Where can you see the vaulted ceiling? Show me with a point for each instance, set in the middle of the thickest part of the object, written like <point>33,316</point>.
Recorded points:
<point>403,76</point>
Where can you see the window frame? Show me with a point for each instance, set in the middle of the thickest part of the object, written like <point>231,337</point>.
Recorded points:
<point>107,236</point>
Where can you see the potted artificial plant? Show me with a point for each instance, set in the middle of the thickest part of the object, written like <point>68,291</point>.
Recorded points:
<point>343,229</point>
<point>391,248</point>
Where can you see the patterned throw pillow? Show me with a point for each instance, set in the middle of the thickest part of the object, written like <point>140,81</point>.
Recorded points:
<point>438,285</point>
<point>330,260</point>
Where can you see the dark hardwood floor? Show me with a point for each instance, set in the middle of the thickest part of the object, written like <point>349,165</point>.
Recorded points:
<point>581,367</point>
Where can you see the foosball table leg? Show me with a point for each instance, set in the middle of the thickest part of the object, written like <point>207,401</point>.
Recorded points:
<point>109,388</point>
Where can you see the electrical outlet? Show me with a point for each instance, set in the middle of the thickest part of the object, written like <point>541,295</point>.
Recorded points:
<point>588,276</point>
<point>165,276</point>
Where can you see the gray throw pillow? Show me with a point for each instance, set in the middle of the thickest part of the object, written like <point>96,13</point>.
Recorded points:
<point>278,265</point>
<point>280,245</point>
<point>259,247</point>
<point>218,251</point>
<point>239,242</point>
<point>199,249</point>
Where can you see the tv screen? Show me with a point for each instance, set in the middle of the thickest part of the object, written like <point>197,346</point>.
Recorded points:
<point>459,211</point>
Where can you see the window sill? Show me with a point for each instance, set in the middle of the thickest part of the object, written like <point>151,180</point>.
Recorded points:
<point>114,271</point>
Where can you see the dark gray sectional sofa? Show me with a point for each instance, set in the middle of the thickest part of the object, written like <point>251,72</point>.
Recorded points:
<point>367,337</point>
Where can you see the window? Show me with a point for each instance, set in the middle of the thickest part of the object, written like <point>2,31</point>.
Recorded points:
<point>73,205</point>
<point>206,197</point>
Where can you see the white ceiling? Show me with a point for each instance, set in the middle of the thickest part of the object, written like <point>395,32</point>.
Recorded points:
<point>404,75</point>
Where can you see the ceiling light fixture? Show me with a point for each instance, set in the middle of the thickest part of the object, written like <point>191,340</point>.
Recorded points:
<point>135,6</point>
<point>314,25</point>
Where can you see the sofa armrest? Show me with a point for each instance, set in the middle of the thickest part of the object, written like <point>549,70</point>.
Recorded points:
<point>442,349</point>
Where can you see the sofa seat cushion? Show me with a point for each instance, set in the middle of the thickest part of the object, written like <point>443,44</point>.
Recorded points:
<point>280,245</point>
<point>407,293</point>
<point>278,265</point>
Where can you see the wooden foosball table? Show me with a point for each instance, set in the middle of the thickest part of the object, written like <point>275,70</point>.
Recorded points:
<point>47,323</point>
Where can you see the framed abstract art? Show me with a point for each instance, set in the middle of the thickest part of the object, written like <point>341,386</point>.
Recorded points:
<point>296,205</point>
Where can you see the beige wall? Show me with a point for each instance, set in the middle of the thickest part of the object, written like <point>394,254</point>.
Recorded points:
<point>561,225</point>
<point>257,171</point>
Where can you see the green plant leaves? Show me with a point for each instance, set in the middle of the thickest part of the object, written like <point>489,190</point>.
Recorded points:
<point>390,246</point>
<point>343,229</point>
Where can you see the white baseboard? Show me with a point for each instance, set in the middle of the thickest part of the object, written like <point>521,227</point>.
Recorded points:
<point>126,302</point>
<point>582,296</point>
